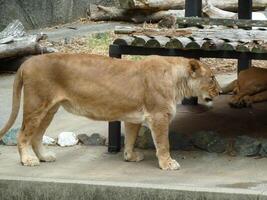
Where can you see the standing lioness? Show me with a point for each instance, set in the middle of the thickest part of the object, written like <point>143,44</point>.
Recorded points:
<point>109,89</point>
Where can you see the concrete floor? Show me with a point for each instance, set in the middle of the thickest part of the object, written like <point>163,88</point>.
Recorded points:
<point>200,170</point>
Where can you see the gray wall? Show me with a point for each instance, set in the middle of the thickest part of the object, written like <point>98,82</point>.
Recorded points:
<point>44,13</point>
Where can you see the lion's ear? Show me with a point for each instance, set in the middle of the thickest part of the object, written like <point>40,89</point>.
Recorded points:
<point>194,67</point>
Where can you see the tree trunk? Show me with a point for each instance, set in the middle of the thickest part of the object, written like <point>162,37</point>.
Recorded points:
<point>15,43</point>
<point>27,45</point>
<point>150,4</point>
<point>102,13</point>
<point>229,5</point>
<point>214,12</point>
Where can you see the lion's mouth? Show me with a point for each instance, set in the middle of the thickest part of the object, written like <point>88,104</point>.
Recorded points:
<point>207,99</point>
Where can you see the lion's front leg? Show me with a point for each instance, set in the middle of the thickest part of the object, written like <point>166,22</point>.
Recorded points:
<point>131,132</point>
<point>159,125</point>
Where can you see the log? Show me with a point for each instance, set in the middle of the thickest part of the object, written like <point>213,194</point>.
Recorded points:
<point>27,45</point>
<point>244,23</point>
<point>229,5</point>
<point>103,13</point>
<point>157,42</point>
<point>140,41</point>
<point>213,12</point>
<point>151,31</point>
<point>124,40</point>
<point>212,44</point>
<point>150,4</point>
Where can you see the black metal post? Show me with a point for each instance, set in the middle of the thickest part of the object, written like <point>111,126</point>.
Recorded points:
<point>193,8</point>
<point>244,9</point>
<point>114,137</point>
<point>244,12</point>
<point>244,62</point>
<point>114,128</point>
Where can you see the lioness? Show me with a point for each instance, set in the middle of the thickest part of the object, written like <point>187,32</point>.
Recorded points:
<point>250,87</point>
<point>103,88</point>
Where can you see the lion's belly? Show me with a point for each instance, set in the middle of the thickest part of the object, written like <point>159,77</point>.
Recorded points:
<point>134,117</point>
<point>103,114</point>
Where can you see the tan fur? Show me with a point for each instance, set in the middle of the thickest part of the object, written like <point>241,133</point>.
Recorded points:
<point>109,89</point>
<point>249,88</point>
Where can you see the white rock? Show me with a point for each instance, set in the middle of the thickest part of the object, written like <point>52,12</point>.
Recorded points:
<point>67,139</point>
<point>48,140</point>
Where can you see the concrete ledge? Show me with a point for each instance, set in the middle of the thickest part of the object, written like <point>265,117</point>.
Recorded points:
<point>45,189</point>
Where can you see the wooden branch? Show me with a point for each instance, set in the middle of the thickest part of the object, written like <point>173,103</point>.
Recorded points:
<point>150,4</point>
<point>229,5</point>
<point>214,12</point>
<point>195,21</point>
<point>27,45</point>
<point>102,13</point>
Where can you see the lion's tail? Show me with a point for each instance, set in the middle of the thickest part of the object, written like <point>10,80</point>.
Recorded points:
<point>229,87</point>
<point>17,86</point>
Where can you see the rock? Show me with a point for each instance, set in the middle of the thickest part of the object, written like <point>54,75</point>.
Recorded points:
<point>48,140</point>
<point>10,138</point>
<point>67,139</point>
<point>144,139</point>
<point>263,150</point>
<point>209,141</point>
<point>179,141</point>
<point>83,138</point>
<point>94,139</point>
<point>247,146</point>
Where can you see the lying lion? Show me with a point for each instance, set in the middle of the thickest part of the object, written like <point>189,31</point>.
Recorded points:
<point>250,87</point>
<point>109,89</point>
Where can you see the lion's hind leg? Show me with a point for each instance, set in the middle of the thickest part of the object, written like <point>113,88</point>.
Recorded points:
<point>29,128</point>
<point>37,145</point>
<point>35,112</point>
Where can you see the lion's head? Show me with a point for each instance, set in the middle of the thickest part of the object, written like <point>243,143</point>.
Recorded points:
<point>202,82</point>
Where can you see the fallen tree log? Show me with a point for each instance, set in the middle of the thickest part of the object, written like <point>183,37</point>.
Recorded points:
<point>229,5</point>
<point>15,43</point>
<point>214,12</point>
<point>102,13</point>
<point>27,45</point>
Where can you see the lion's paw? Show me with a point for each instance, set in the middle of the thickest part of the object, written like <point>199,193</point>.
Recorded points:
<point>169,164</point>
<point>30,161</point>
<point>48,157</point>
<point>247,101</point>
<point>133,156</point>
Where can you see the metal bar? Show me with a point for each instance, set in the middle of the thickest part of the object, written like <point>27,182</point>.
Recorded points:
<point>244,12</point>
<point>114,137</point>
<point>114,128</point>
<point>244,9</point>
<point>244,62</point>
<point>193,8</point>
<point>191,100</point>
